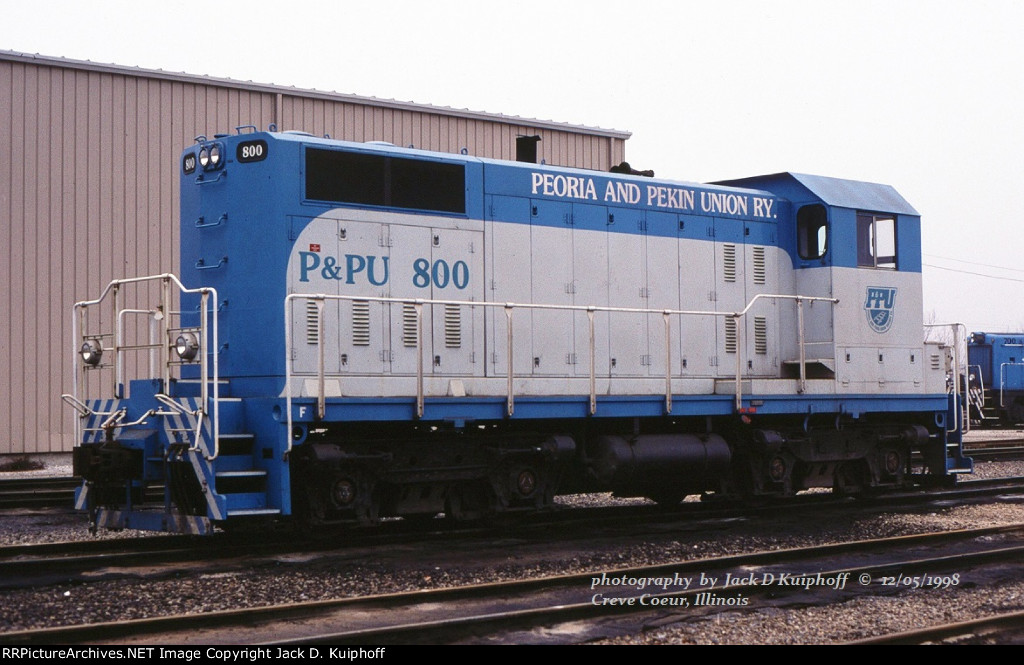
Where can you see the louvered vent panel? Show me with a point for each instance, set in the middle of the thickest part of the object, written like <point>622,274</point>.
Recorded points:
<point>936,361</point>
<point>729,262</point>
<point>409,326</point>
<point>761,334</point>
<point>452,326</point>
<point>760,271</point>
<point>312,323</point>
<point>730,335</point>
<point>360,323</point>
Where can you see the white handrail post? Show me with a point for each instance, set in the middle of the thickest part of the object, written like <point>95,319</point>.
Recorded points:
<point>77,331</point>
<point>593,363</point>
<point>418,305</point>
<point>154,342</point>
<point>165,349</point>
<point>510,402</point>
<point>321,398</point>
<point>117,347</point>
<point>668,361</point>
<point>739,362</point>
<point>960,400</point>
<point>215,354</point>
<point>204,368</point>
<point>204,373</point>
<point>288,300</point>
<point>802,387</point>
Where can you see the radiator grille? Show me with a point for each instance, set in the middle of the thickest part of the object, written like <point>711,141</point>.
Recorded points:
<point>730,335</point>
<point>760,334</point>
<point>453,326</point>
<point>360,323</point>
<point>729,262</point>
<point>760,270</point>
<point>312,323</point>
<point>410,326</point>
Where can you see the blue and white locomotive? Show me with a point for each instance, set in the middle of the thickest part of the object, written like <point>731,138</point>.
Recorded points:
<point>362,331</point>
<point>996,378</point>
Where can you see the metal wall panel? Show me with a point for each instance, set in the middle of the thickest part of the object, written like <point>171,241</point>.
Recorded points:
<point>89,192</point>
<point>433,131</point>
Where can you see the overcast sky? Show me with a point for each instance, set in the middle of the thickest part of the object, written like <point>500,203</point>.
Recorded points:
<point>927,96</point>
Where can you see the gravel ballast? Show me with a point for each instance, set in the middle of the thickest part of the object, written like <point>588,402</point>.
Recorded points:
<point>316,579</point>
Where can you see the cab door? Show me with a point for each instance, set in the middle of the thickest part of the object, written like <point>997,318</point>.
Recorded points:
<point>813,277</point>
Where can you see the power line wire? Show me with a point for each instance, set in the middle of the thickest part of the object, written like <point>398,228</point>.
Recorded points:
<point>973,263</point>
<point>969,272</point>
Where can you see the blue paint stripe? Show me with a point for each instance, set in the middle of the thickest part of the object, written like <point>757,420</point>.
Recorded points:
<point>545,408</point>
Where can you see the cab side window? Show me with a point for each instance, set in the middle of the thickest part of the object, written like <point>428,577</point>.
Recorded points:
<point>812,231</point>
<point>876,241</point>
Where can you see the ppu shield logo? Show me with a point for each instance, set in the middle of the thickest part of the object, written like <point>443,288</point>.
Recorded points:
<point>879,306</point>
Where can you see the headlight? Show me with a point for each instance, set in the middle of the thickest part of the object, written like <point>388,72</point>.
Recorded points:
<point>211,156</point>
<point>187,346</point>
<point>91,352</point>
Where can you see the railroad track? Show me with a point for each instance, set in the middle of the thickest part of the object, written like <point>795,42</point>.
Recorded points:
<point>36,564</point>
<point>1007,628</point>
<point>23,566</point>
<point>37,492</point>
<point>47,492</point>
<point>991,446</point>
<point>583,606</point>
<point>997,453</point>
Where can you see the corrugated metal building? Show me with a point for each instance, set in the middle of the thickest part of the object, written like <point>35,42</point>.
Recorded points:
<point>88,191</point>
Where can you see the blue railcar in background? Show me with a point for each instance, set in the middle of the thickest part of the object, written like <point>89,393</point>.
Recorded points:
<point>996,378</point>
<point>361,330</point>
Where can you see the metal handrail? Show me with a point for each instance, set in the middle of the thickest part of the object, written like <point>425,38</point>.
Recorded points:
<point>209,358</point>
<point>980,393</point>
<point>981,382</point>
<point>509,307</point>
<point>958,400</point>
<point>154,344</point>
<point>166,400</point>
<point>81,407</point>
<point>115,418</point>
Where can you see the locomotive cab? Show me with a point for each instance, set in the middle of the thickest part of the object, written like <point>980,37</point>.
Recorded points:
<point>861,243</point>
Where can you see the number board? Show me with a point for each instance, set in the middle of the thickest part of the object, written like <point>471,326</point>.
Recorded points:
<point>251,151</point>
